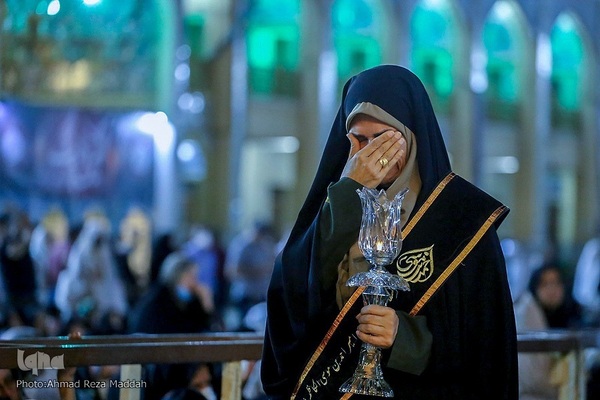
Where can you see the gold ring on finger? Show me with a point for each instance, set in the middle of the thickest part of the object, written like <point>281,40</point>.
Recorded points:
<point>383,161</point>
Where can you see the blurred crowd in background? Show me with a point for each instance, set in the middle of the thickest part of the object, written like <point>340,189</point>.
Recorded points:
<point>97,279</point>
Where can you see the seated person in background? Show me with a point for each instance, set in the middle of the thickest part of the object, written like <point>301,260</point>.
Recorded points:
<point>178,303</point>
<point>548,288</point>
<point>90,287</point>
<point>200,386</point>
<point>586,284</point>
<point>249,263</point>
<point>544,305</point>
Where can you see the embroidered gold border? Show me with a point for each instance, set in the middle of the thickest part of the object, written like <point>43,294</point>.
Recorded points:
<point>463,254</point>
<point>328,336</point>
<point>436,192</point>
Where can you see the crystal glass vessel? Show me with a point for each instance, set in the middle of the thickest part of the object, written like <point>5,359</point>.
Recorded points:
<point>380,241</point>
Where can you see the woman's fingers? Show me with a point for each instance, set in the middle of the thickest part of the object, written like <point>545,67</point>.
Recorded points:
<point>371,163</point>
<point>387,151</point>
<point>381,144</point>
<point>391,150</point>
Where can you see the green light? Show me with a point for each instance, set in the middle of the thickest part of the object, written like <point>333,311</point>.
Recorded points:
<point>345,16</point>
<point>352,15</point>
<point>356,36</point>
<point>500,38</point>
<point>273,43</point>
<point>567,61</point>
<point>42,8</point>
<point>261,50</point>
<point>496,38</point>
<point>433,30</point>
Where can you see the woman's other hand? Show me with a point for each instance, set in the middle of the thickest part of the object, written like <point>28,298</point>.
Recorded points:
<point>377,325</point>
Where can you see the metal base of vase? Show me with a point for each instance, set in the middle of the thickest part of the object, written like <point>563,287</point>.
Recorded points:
<point>367,386</point>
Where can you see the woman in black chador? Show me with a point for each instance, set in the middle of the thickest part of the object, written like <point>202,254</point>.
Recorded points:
<point>452,336</point>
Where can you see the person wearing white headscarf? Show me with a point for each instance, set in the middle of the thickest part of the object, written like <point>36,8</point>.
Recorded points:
<point>89,288</point>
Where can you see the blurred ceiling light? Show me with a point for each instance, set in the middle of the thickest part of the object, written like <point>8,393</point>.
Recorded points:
<point>433,3</point>
<point>182,72</point>
<point>53,7</point>
<point>503,10</point>
<point>183,52</point>
<point>502,165</point>
<point>280,144</point>
<point>478,78</point>
<point>192,165</point>
<point>152,123</point>
<point>187,150</point>
<point>543,62</point>
<point>192,102</point>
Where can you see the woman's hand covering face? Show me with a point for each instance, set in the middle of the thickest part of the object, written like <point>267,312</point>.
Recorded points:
<point>372,141</point>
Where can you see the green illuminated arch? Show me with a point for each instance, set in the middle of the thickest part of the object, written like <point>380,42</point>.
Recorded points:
<point>434,34</point>
<point>273,39</point>
<point>358,35</point>
<point>503,42</point>
<point>567,67</point>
